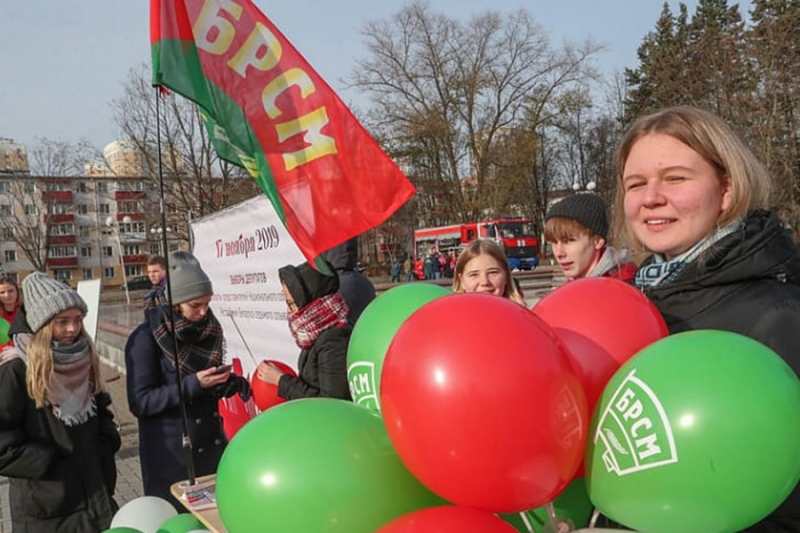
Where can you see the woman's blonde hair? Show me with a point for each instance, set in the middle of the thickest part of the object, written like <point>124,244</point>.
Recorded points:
<point>491,248</point>
<point>717,143</point>
<point>40,365</point>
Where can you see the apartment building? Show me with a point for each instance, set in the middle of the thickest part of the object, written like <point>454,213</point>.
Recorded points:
<point>79,228</point>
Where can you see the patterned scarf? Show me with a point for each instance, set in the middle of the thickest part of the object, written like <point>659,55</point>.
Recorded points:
<point>199,343</point>
<point>321,314</point>
<point>662,271</point>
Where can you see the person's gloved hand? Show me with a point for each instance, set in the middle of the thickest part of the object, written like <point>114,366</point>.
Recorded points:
<point>235,384</point>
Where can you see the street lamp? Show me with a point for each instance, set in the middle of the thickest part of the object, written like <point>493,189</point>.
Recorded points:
<point>114,227</point>
<point>158,231</point>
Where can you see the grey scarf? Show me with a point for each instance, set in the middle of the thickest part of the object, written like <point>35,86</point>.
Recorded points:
<point>612,259</point>
<point>72,384</point>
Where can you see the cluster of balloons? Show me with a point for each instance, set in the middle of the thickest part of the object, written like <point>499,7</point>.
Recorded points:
<point>149,514</point>
<point>473,413</point>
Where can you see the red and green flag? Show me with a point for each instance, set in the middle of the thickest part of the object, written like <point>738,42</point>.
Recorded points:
<point>268,111</point>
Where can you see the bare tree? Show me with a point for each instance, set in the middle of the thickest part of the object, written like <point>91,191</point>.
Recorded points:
<point>197,181</point>
<point>444,91</point>
<point>30,217</point>
<point>49,157</point>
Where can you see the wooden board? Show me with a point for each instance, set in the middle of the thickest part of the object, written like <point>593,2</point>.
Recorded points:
<point>209,517</point>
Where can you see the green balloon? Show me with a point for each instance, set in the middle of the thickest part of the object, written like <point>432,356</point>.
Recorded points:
<point>572,504</point>
<point>374,332</point>
<point>315,465</point>
<point>182,523</point>
<point>4,327</point>
<point>696,433</point>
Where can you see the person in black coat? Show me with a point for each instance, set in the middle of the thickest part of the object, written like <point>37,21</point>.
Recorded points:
<point>152,379</point>
<point>356,288</point>
<point>693,194</point>
<point>318,322</point>
<point>57,434</point>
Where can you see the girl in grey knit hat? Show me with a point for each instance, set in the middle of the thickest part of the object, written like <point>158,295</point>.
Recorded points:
<point>57,434</point>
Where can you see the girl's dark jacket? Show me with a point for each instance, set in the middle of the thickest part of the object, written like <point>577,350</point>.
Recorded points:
<point>61,479</point>
<point>748,284</point>
<point>322,368</point>
<point>153,399</point>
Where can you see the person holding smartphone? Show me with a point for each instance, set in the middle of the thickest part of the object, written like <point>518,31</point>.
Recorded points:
<point>152,379</point>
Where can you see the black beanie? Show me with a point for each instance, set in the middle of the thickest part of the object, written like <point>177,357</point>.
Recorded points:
<point>586,208</point>
<point>306,284</point>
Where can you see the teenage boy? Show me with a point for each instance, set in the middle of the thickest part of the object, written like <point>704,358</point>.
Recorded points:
<point>577,229</point>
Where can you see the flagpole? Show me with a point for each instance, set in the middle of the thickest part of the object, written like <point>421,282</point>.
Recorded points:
<point>185,440</point>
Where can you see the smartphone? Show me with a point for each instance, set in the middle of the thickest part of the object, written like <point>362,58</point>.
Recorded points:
<point>222,369</point>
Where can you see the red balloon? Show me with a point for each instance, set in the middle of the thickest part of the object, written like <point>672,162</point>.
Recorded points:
<point>481,404</point>
<point>603,322</point>
<point>266,394</point>
<point>234,411</point>
<point>447,519</point>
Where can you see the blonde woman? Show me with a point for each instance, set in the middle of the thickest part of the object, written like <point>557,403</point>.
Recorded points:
<point>482,267</point>
<point>57,434</point>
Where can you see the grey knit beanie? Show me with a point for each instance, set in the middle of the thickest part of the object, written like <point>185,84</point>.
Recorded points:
<point>186,278</point>
<point>586,208</point>
<point>45,298</point>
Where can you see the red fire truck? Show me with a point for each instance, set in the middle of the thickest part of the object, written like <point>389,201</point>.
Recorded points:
<point>515,235</point>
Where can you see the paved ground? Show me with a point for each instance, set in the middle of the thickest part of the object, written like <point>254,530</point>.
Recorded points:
<point>129,477</point>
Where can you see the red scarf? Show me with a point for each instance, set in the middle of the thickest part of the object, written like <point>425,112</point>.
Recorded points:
<point>308,323</point>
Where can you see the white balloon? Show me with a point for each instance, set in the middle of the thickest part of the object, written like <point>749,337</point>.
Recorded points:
<point>145,513</point>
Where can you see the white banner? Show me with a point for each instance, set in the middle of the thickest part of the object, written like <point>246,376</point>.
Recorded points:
<point>241,249</point>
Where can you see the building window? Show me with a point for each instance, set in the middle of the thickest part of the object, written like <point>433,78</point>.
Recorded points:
<point>130,207</point>
<point>62,274</point>
<point>54,186</point>
<point>62,251</point>
<point>62,229</point>
<point>83,230</point>
<point>6,233</point>
<point>82,209</point>
<point>155,249</point>
<point>133,270</point>
<point>30,209</point>
<point>108,272</point>
<point>105,209</point>
<point>28,188</point>
<point>12,275</point>
<point>58,209</point>
<point>131,250</point>
<point>132,227</point>
<point>5,186</point>
<point>108,251</point>
<point>102,186</point>
<point>5,210</point>
<point>86,251</point>
<point>11,256</point>
<point>88,273</point>
<point>80,187</point>
<point>173,247</point>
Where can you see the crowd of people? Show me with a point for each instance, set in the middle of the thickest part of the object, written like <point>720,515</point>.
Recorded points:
<point>690,195</point>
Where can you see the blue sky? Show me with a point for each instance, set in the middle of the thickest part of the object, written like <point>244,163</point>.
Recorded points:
<point>65,61</point>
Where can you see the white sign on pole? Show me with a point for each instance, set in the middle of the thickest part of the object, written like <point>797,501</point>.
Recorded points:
<point>89,290</point>
<point>241,249</point>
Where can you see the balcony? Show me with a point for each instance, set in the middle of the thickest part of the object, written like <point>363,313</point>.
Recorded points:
<point>139,259</point>
<point>129,195</point>
<point>61,239</point>
<point>62,262</point>
<point>56,218</point>
<point>57,196</point>
<point>132,217</point>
